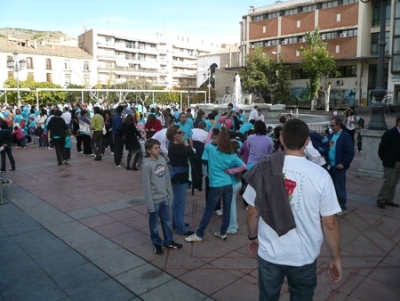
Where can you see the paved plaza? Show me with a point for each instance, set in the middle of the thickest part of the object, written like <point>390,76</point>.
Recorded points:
<point>80,232</point>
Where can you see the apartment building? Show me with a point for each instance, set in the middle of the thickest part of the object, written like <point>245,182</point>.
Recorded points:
<point>162,61</point>
<point>351,30</point>
<point>47,62</point>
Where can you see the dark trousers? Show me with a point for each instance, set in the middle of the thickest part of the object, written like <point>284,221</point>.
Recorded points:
<point>59,145</point>
<point>39,132</point>
<point>87,150</point>
<point>68,153</point>
<point>108,140</point>
<point>339,181</point>
<point>79,141</point>
<point>8,151</point>
<point>96,143</point>
<point>119,149</point>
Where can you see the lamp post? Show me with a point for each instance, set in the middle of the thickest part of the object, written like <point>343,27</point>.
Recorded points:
<point>377,121</point>
<point>16,66</point>
<point>209,85</point>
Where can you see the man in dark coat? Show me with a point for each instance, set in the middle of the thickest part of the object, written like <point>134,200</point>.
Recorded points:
<point>389,153</point>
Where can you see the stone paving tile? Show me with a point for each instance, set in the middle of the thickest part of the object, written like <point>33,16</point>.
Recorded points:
<point>371,289</point>
<point>86,236</point>
<point>83,213</point>
<point>97,220</point>
<point>114,229</point>
<point>123,214</point>
<point>98,249</point>
<point>238,290</point>
<point>172,291</point>
<point>107,290</point>
<point>387,274</point>
<point>67,228</point>
<point>208,279</point>
<point>79,277</point>
<point>130,239</point>
<point>144,278</point>
<point>42,288</point>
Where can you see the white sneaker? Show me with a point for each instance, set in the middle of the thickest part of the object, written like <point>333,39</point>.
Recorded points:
<point>231,232</point>
<point>193,238</point>
<point>112,154</point>
<point>219,235</point>
<point>118,166</point>
<point>218,212</point>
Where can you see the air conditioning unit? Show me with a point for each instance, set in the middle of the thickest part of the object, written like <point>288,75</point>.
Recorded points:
<point>251,46</point>
<point>268,44</point>
<point>343,35</point>
<point>284,42</point>
<point>302,40</point>
<point>339,83</point>
<point>323,37</point>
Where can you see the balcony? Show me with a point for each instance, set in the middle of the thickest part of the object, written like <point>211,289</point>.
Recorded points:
<point>106,44</point>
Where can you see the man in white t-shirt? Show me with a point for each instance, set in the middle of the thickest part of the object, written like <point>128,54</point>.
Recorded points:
<point>66,115</point>
<point>253,113</point>
<point>161,136</point>
<point>311,195</point>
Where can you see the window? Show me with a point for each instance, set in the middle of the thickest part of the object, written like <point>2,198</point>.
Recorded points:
<point>344,2</point>
<point>67,80</point>
<point>375,42</point>
<point>264,29</point>
<point>10,75</point>
<point>395,66</point>
<point>9,58</point>
<point>108,39</point>
<point>86,66</point>
<point>289,12</point>
<point>29,63</point>
<point>87,80</point>
<point>329,4</point>
<point>48,64</point>
<point>298,74</point>
<point>49,77</point>
<point>309,8</point>
<point>67,65</point>
<point>376,11</point>
<point>346,71</point>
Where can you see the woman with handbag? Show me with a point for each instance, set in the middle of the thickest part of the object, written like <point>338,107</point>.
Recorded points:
<point>85,131</point>
<point>132,144</point>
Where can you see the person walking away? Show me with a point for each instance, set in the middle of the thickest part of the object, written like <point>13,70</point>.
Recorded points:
<point>57,128</point>
<point>132,144</point>
<point>157,195</point>
<point>288,197</point>
<point>389,153</point>
<point>117,134</point>
<point>68,144</point>
<point>97,124</point>
<point>6,143</point>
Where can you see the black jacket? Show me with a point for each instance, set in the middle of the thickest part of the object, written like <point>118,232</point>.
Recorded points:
<point>6,138</point>
<point>57,127</point>
<point>389,148</point>
<point>132,134</point>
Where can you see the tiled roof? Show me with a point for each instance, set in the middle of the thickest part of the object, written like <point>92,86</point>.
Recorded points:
<point>46,50</point>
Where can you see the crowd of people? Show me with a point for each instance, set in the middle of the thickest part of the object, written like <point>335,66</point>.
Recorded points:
<point>290,178</point>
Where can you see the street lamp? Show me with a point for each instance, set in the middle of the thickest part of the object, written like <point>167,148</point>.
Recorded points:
<point>377,121</point>
<point>16,66</point>
<point>209,85</point>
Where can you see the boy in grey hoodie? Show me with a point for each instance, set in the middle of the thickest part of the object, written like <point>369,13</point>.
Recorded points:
<point>157,194</point>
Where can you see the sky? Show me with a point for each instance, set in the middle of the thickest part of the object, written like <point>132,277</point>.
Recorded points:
<point>217,20</point>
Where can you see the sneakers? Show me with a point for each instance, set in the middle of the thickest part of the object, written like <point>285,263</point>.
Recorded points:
<point>173,245</point>
<point>118,166</point>
<point>12,169</point>
<point>231,232</point>
<point>111,154</point>
<point>158,249</point>
<point>193,238</point>
<point>218,212</point>
<point>219,235</point>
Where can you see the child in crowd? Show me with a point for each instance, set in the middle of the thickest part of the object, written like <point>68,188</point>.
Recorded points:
<point>67,146</point>
<point>157,195</point>
<point>19,137</point>
<point>45,136</point>
<point>32,130</point>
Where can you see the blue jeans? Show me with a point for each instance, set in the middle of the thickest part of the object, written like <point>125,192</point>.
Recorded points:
<point>301,280</point>
<point>178,207</point>
<point>162,211</point>
<point>213,198</point>
<point>339,181</point>
<point>233,225</point>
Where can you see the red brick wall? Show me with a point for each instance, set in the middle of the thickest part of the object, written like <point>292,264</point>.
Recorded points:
<point>256,29</point>
<point>349,16</point>
<point>289,23</point>
<point>348,47</point>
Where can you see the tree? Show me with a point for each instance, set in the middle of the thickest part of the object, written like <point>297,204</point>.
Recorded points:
<point>281,86</point>
<point>317,62</point>
<point>256,78</point>
<point>46,97</point>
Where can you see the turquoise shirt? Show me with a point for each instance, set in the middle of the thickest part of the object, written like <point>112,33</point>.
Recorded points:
<point>218,162</point>
<point>332,149</point>
<point>187,129</point>
<point>209,125</point>
<point>247,126</point>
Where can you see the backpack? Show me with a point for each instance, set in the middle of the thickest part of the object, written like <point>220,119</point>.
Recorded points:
<point>320,143</point>
<point>22,124</point>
